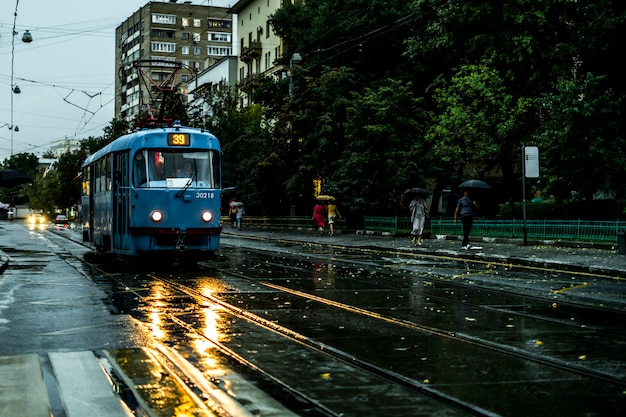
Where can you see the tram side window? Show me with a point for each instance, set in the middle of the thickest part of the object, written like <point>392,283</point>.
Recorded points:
<point>140,178</point>
<point>103,178</point>
<point>108,173</point>
<point>215,168</point>
<point>97,173</point>
<point>86,178</point>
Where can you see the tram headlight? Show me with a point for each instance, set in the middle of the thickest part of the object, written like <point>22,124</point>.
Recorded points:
<point>156,216</point>
<point>207,216</point>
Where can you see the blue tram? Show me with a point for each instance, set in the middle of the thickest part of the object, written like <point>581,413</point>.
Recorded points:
<point>154,192</point>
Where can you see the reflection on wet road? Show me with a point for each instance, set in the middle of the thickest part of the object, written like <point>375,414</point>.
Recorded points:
<point>365,333</point>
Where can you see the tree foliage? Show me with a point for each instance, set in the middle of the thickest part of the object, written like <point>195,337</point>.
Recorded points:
<point>384,152</point>
<point>584,150</point>
<point>497,70</point>
<point>393,94</point>
<point>26,163</point>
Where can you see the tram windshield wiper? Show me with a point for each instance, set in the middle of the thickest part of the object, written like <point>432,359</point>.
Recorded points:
<point>194,177</point>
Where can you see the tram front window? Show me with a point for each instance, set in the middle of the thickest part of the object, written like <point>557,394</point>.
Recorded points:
<point>179,169</point>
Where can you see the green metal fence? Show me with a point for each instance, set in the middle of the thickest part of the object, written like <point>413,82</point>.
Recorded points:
<point>584,230</point>
<point>535,229</point>
<point>297,222</point>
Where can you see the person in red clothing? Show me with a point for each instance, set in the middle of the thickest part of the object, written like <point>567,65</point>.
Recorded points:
<point>318,217</point>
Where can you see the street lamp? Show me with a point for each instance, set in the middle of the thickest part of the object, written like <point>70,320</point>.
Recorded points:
<point>296,59</point>
<point>11,127</point>
<point>26,38</point>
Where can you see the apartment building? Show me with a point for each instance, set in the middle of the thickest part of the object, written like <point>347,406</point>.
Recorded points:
<point>258,46</point>
<point>165,45</point>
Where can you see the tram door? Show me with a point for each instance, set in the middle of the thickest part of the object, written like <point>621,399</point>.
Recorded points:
<point>121,200</point>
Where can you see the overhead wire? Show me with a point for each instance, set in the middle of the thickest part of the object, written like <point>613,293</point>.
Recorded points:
<point>359,39</point>
<point>88,113</point>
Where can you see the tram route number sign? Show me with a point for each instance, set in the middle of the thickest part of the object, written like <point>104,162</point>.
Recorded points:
<point>178,139</point>
<point>531,161</point>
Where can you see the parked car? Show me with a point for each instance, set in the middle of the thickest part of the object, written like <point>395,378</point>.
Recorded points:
<point>61,219</point>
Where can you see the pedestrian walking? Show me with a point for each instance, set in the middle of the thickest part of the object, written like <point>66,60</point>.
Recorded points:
<point>333,212</point>
<point>465,208</point>
<point>232,214</point>
<point>240,212</point>
<point>318,218</point>
<point>418,218</point>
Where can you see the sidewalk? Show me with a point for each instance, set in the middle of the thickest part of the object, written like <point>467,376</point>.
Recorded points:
<point>571,256</point>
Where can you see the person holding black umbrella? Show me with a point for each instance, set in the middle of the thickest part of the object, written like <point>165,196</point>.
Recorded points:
<point>465,208</point>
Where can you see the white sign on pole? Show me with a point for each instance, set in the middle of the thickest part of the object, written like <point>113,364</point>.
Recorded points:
<point>531,161</point>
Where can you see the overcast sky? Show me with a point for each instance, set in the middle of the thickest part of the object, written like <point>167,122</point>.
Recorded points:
<point>66,74</point>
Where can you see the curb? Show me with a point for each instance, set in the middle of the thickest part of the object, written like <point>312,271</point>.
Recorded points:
<point>510,241</point>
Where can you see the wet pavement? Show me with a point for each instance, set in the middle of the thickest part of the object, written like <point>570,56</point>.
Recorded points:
<point>53,275</point>
<point>585,257</point>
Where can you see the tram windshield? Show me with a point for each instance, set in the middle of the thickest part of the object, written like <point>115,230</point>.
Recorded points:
<point>176,169</point>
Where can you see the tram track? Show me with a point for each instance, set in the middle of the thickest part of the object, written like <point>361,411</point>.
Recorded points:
<point>397,378</point>
<point>265,280</point>
<point>322,348</point>
<point>465,338</point>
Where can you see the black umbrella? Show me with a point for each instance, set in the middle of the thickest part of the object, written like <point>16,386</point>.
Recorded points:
<point>475,184</point>
<point>11,178</point>
<point>416,190</point>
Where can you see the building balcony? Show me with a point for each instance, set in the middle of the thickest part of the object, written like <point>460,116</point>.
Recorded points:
<point>254,50</point>
<point>250,82</point>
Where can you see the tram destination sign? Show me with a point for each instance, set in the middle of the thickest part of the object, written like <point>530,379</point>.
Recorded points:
<point>178,139</point>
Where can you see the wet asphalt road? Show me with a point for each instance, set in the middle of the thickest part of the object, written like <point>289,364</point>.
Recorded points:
<point>424,300</point>
<point>449,304</point>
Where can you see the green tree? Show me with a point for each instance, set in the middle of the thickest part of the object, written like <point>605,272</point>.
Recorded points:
<point>385,150</point>
<point>476,123</point>
<point>337,42</point>
<point>365,35</point>
<point>68,173</point>
<point>26,163</point>
<point>582,149</point>
<point>526,50</point>
<point>43,193</point>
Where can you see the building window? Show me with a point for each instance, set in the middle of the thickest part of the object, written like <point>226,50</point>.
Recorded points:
<point>184,77</point>
<point>197,50</point>
<point>164,58</point>
<point>219,23</point>
<point>197,23</point>
<point>196,65</point>
<point>185,22</point>
<point>164,19</point>
<point>186,63</point>
<point>196,37</point>
<point>162,47</point>
<point>219,51</point>
<point>184,50</point>
<point>185,36</point>
<point>160,33</point>
<point>219,37</point>
<point>268,60</point>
